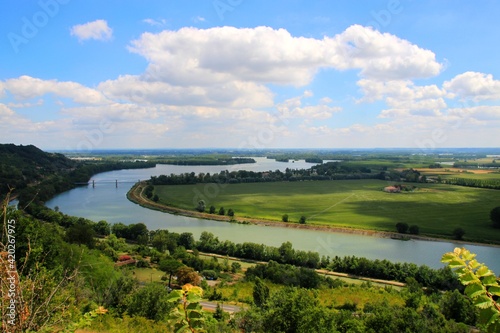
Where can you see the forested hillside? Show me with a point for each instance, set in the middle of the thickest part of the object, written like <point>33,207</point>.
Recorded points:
<point>21,166</point>
<point>37,176</point>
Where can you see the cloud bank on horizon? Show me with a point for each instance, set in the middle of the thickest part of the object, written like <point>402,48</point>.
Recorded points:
<point>235,75</point>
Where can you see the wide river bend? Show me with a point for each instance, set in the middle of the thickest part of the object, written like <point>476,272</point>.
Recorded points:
<point>106,201</point>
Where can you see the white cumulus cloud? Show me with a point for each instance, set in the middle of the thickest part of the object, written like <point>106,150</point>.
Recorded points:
<point>98,30</point>
<point>27,87</point>
<point>403,97</point>
<point>294,108</point>
<point>478,86</point>
<point>268,55</point>
<point>227,94</point>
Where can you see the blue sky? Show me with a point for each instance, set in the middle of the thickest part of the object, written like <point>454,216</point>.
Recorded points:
<point>86,75</point>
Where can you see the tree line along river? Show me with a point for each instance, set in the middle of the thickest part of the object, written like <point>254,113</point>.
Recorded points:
<point>108,201</point>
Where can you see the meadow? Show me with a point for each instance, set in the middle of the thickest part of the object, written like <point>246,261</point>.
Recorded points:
<point>437,209</point>
<point>345,293</point>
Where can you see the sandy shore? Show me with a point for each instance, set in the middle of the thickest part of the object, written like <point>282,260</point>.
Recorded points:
<point>135,195</point>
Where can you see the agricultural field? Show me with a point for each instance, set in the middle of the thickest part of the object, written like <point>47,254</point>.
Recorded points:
<point>437,209</point>
<point>483,174</point>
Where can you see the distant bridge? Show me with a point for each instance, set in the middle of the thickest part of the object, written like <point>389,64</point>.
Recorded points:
<point>95,182</point>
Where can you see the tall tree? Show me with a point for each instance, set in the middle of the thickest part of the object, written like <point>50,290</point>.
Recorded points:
<point>102,228</point>
<point>495,217</point>
<point>186,239</point>
<point>187,275</point>
<point>170,266</point>
<point>458,233</point>
<point>201,206</point>
<point>402,227</point>
<point>81,233</point>
<point>260,293</point>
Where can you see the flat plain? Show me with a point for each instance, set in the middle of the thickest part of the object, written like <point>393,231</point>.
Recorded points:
<point>437,209</point>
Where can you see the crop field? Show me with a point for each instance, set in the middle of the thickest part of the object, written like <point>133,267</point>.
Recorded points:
<point>437,209</point>
<point>485,174</point>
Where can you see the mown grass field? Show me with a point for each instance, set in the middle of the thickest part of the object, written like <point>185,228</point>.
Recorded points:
<point>436,208</point>
<point>147,275</point>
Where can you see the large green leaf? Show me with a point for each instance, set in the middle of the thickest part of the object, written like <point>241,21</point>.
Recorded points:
<point>473,264</point>
<point>175,314</point>
<point>195,314</point>
<point>495,290</point>
<point>484,271</point>
<point>182,329</point>
<point>467,255</point>
<point>473,290</point>
<point>456,263</point>
<point>193,306</point>
<point>175,295</point>
<point>193,298</point>
<point>483,302</point>
<point>469,278</point>
<point>447,257</point>
<point>489,280</point>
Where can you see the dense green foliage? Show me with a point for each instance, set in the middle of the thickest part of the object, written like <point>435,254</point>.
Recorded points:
<point>298,310</point>
<point>481,183</point>
<point>287,275</point>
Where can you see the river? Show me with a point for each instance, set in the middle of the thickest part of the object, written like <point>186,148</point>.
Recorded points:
<point>106,201</point>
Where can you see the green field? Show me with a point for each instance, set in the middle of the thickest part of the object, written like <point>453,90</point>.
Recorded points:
<point>461,173</point>
<point>146,275</point>
<point>436,208</point>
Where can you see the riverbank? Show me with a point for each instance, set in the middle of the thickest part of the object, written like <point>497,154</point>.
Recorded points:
<point>135,194</point>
